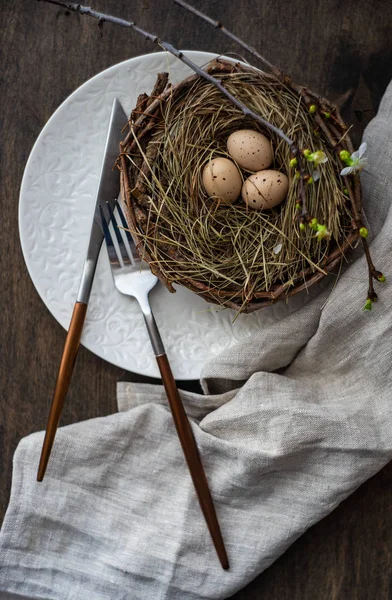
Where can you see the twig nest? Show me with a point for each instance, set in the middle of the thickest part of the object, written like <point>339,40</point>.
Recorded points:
<point>250,149</point>
<point>222,180</point>
<point>222,250</point>
<point>265,189</point>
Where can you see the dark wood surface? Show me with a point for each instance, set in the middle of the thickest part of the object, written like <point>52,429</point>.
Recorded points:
<point>337,48</point>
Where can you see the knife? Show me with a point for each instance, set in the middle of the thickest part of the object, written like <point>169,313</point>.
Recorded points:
<point>108,189</point>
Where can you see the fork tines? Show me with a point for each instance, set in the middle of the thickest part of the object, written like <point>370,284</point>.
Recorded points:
<point>126,253</point>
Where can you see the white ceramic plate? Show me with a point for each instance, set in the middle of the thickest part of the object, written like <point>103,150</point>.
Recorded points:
<point>56,204</point>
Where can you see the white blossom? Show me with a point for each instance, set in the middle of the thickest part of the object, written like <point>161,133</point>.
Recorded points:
<point>315,175</point>
<point>356,162</point>
<point>319,157</point>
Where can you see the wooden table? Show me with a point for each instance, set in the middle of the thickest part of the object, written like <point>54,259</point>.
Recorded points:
<point>336,48</point>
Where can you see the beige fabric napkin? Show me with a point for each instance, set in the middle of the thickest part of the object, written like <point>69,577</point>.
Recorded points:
<point>116,516</point>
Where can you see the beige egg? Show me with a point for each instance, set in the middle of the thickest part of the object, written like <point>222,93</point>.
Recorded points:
<point>250,149</point>
<point>265,189</point>
<point>222,180</point>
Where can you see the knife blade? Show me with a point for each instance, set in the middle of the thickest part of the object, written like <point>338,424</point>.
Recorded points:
<point>108,190</point>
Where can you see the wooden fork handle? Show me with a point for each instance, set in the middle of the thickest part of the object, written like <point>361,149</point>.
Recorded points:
<point>192,457</point>
<point>67,363</point>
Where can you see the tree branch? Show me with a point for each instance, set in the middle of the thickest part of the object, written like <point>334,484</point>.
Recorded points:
<point>102,17</point>
<point>230,34</point>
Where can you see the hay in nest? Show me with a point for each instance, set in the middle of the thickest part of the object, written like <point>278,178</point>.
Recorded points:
<point>230,254</point>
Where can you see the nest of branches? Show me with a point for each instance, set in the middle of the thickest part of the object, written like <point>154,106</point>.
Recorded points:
<point>229,254</point>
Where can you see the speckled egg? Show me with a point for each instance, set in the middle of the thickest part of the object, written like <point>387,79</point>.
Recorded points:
<point>265,189</point>
<point>250,149</point>
<point>222,180</point>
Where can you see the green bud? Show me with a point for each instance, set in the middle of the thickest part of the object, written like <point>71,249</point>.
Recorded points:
<point>293,163</point>
<point>313,224</point>
<point>312,109</point>
<point>322,232</point>
<point>345,155</point>
<point>327,115</point>
<point>309,180</point>
<point>307,153</point>
<point>368,305</point>
<point>297,175</point>
<point>382,278</point>
<point>345,191</point>
<point>298,206</point>
<point>302,226</point>
<point>363,232</point>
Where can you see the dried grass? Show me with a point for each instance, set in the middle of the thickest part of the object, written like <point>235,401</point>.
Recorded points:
<point>231,248</point>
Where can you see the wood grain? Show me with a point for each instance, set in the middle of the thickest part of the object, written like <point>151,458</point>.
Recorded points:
<point>337,48</point>
<point>64,378</point>
<point>192,457</point>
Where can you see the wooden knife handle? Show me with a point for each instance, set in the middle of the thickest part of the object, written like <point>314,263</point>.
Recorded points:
<point>192,457</point>
<point>67,363</point>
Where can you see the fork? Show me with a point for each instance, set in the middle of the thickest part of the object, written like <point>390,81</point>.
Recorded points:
<point>132,277</point>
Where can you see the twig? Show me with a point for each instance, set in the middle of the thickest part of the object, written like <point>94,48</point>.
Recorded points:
<point>230,34</point>
<point>102,18</point>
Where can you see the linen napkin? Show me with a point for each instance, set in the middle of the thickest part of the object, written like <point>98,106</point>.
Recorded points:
<point>116,516</point>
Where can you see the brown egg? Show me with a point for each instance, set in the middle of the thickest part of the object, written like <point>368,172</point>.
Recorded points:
<point>265,189</point>
<point>250,149</point>
<point>222,180</point>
